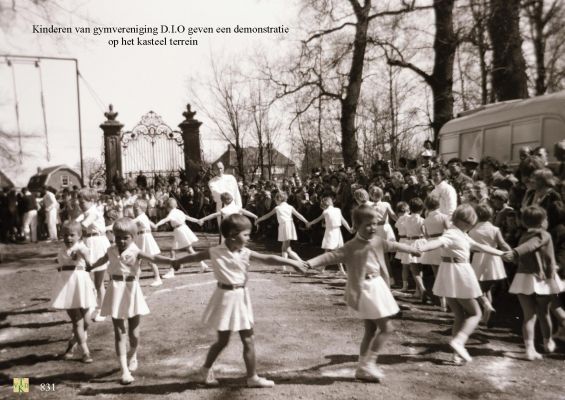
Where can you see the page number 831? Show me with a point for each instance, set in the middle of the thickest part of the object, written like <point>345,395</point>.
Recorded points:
<point>47,387</point>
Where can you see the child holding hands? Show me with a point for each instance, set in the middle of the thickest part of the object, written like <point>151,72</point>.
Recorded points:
<point>74,290</point>
<point>536,280</point>
<point>144,239</point>
<point>229,208</point>
<point>367,291</point>
<point>124,299</point>
<point>229,309</point>
<point>333,220</point>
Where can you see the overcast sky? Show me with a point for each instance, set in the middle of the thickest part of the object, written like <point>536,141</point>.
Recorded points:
<point>134,79</point>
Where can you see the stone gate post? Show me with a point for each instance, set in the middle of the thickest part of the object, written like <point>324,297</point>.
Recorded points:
<point>190,128</point>
<point>112,147</point>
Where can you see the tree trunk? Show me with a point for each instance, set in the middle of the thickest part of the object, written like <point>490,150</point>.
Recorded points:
<point>353,91</point>
<point>445,44</point>
<point>509,67</point>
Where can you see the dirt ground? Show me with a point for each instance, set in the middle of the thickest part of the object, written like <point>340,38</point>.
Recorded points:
<point>306,341</point>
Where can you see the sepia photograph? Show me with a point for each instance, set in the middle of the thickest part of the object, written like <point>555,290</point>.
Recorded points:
<point>282,199</point>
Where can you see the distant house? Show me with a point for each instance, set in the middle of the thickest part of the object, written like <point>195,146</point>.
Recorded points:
<point>280,165</point>
<point>57,177</point>
<point>5,182</point>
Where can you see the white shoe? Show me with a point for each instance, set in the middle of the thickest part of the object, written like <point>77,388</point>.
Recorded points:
<point>461,350</point>
<point>259,382</point>
<point>549,345</point>
<point>99,318</point>
<point>206,376</point>
<point>156,283</point>
<point>532,354</point>
<point>204,267</point>
<point>369,373</point>
<point>126,378</point>
<point>169,275</point>
<point>132,365</point>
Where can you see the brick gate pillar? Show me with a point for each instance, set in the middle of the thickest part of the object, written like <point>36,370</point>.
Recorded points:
<point>112,148</point>
<point>190,128</point>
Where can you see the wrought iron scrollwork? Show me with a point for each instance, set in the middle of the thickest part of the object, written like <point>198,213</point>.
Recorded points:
<point>151,127</point>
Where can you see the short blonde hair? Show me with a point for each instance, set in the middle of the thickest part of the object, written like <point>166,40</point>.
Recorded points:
<point>362,213</point>
<point>88,194</point>
<point>72,226</point>
<point>280,197</point>
<point>172,203</point>
<point>361,195</point>
<point>376,193</point>
<point>464,213</point>
<point>125,224</point>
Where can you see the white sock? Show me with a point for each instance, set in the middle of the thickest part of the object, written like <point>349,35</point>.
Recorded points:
<point>124,364</point>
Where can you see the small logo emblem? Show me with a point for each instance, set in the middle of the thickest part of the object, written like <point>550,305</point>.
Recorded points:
<point>21,385</point>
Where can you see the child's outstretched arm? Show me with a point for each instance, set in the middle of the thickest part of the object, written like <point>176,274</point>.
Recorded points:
<point>483,248</point>
<point>501,243</point>
<point>158,259</point>
<point>101,261</point>
<point>332,257</point>
<point>391,214</point>
<point>200,256</point>
<point>315,221</point>
<point>299,216</point>
<point>271,259</point>
<point>390,247</point>
<point>266,216</point>
<point>163,221</point>
<point>431,245</point>
<point>529,246</point>
<point>248,213</point>
<point>190,219</point>
<point>346,225</point>
<point>209,217</point>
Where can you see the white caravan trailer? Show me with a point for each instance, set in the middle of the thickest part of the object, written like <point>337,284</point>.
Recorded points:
<point>501,129</point>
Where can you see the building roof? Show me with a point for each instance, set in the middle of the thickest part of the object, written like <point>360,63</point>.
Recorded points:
<point>251,155</point>
<point>38,180</point>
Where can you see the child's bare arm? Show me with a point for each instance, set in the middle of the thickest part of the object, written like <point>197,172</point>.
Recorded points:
<point>299,216</point>
<point>431,245</point>
<point>391,246</point>
<point>190,219</point>
<point>159,259</point>
<point>276,260</point>
<point>101,261</point>
<point>483,248</point>
<point>200,256</point>
<point>315,221</point>
<point>163,221</point>
<point>248,213</point>
<point>346,225</point>
<point>266,216</point>
<point>332,257</point>
<point>211,216</point>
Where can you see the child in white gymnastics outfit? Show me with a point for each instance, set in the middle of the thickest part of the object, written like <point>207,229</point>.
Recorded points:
<point>229,309</point>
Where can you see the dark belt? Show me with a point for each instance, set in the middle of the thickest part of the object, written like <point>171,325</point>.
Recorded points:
<point>414,237</point>
<point>402,236</point>
<point>454,260</point>
<point>144,231</point>
<point>371,276</point>
<point>381,222</point>
<point>435,235</point>
<point>92,234</point>
<point>230,287</point>
<point>127,278</point>
<point>67,268</point>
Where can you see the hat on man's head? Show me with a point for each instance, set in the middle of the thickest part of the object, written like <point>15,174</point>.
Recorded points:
<point>471,160</point>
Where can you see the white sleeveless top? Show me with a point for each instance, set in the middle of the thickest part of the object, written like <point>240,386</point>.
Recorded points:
<point>126,263</point>
<point>68,256</point>
<point>332,217</point>
<point>230,268</point>
<point>284,212</point>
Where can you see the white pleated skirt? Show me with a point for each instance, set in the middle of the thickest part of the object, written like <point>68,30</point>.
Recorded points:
<point>147,244</point>
<point>530,284</point>
<point>98,247</point>
<point>229,310</point>
<point>73,289</point>
<point>287,231</point>
<point>409,258</point>
<point>432,257</point>
<point>183,237</point>
<point>488,267</point>
<point>124,300</point>
<point>456,280</point>
<point>376,300</point>
<point>386,232</point>
<point>332,239</point>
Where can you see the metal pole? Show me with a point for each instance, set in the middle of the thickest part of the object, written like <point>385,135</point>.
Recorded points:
<point>79,124</point>
<point>14,56</point>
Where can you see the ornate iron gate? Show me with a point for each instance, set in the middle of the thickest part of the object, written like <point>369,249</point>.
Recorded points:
<point>153,148</point>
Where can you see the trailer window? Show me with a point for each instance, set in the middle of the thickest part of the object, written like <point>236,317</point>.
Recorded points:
<point>471,145</point>
<point>525,133</point>
<point>497,143</point>
<point>553,132</point>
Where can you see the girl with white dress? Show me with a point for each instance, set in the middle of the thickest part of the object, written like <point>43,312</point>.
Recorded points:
<point>435,224</point>
<point>229,309</point>
<point>415,235</point>
<point>456,279</point>
<point>228,208</point>
<point>386,214</point>
<point>367,291</point>
<point>536,281</point>
<point>333,221</point>
<point>74,290</point>
<point>144,239</point>
<point>488,268</point>
<point>403,212</point>
<point>94,229</point>
<point>287,230</point>
<point>183,237</point>
<point>124,299</point>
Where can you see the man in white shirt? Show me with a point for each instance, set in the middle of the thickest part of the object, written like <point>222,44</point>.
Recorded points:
<point>444,192</point>
<point>51,207</point>
<point>224,183</point>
